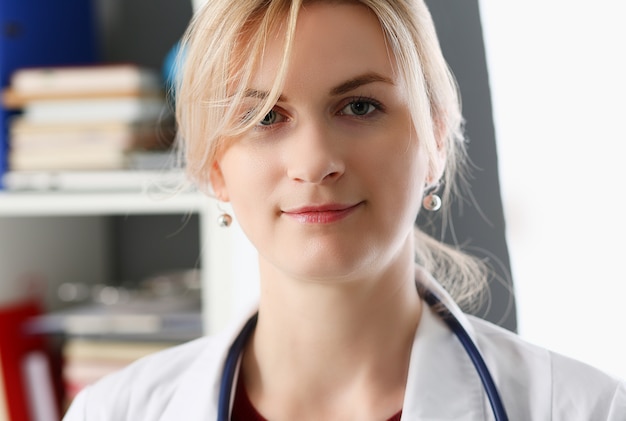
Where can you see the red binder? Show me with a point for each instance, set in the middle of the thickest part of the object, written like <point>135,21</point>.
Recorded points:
<point>17,349</point>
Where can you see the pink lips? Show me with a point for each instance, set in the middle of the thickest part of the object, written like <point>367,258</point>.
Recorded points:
<point>321,214</point>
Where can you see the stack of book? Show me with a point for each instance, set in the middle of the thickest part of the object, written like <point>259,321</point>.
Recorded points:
<point>88,360</point>
<point>109,327</point>
<point>89,118</point>
<point>102,339</point>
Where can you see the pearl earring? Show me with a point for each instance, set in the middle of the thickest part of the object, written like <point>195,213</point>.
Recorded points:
<point>432,202</point>
<point>224,220</point>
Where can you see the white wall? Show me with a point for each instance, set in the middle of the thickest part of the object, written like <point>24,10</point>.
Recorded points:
<point>558,79</point>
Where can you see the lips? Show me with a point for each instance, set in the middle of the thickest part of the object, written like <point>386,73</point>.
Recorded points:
<point>323,214</point>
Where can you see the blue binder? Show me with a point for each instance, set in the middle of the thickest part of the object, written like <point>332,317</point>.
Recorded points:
<point>42,33</point>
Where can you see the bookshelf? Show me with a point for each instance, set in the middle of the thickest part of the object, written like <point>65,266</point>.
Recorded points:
<point>85,235</point>
<point>88,203</point>
<point>76,221</point>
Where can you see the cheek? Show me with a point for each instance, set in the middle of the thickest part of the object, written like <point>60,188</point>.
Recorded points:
<point>249,179</point>
<point>417,165</point>
<point>405,159</point>
<point>408,171</point>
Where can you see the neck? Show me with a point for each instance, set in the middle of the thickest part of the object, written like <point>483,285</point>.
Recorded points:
<point>330,346</point>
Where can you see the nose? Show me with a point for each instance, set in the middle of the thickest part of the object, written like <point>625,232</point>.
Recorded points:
<point>315,155</point>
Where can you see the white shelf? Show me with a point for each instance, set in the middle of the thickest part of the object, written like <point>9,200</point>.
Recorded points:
<point>228,261</point>
<point>99,203</point>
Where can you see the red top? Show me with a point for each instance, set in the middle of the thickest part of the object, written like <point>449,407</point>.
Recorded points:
<point>243,410</point>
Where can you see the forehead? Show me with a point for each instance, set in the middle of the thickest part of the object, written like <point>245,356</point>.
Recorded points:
<point>332,41</point>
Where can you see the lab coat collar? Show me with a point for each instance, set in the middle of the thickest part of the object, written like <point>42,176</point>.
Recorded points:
<point>422,277</point>
<point>199,388</point>
<point>442,382</point>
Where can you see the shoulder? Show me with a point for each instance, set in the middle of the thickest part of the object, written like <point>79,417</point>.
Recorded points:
<point>152,385</point>
<point>540,383</point>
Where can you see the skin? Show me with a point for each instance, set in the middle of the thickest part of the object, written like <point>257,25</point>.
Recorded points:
<point>327,188</point>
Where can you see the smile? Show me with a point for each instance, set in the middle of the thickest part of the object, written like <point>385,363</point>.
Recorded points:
<point>325,214</point>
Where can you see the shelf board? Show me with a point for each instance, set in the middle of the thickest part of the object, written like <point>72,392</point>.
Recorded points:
<point>53,203</point>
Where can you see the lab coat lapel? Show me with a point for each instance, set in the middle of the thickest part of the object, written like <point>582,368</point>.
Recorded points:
<point>197,396</point>
<point>442,382</point>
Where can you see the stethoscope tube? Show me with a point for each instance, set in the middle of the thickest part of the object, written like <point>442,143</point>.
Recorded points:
<point>236,349</point>
<point>473,353</point>
<point>230,367</point>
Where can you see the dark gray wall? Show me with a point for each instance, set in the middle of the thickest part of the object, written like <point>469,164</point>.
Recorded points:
<point>480,225</point>
<point>143,246</point>
<point>140,31</point>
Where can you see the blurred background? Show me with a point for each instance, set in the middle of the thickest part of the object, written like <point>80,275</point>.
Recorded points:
<point>543,90</point>
<point>557,74</point>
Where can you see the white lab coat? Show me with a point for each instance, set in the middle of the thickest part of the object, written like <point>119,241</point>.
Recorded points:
<point>182,383</point>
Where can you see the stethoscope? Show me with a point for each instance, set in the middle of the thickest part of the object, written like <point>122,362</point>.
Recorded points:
<point>232,359</point>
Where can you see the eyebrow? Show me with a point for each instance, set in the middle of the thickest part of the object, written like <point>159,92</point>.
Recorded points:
<point>354,83</point>
<point>255,93</point>
<point>341,89</point>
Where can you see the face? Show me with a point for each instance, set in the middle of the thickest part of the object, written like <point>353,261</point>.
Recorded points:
<point>328,184</point>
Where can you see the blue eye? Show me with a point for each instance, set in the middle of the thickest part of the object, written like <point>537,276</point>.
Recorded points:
<point>360,107</point>
<point>269,119</point>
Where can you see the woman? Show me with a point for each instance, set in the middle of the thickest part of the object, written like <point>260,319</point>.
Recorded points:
<point>326,125</point>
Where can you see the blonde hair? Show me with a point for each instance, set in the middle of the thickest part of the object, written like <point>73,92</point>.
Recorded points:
<point>224,45</point>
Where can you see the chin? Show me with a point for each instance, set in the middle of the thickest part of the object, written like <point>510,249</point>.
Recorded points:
<point>328,269</point>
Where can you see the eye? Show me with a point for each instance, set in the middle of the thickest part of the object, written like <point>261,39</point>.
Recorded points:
<point>272,117</point>
<point>360,107</point>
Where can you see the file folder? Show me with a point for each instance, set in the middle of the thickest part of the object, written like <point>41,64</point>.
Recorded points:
<point>42,33</point>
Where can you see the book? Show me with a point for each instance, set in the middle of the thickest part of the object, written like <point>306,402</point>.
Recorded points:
<point>120,109</point>
<point>91,145</point>
<point>103,337</point>
<point>76,158</point>
<point>25,364</point>
<point>88,360</point>
<point>115,134</point>
<point>147,317</point>
<point>105,80</point>
<point>86,117</point>
<point>87,145</point>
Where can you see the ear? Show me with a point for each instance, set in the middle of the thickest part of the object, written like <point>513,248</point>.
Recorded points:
<point>218,184</point>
